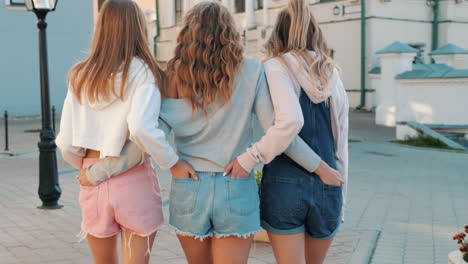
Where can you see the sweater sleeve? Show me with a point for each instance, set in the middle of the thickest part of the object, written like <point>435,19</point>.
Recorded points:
<point>72,155</point>
<point>130,156</point>
<point>341,105</point>
<point>143,126</point>
<point>281,123</point>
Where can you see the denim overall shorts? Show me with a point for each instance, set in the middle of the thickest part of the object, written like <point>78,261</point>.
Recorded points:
<point>294,200</point>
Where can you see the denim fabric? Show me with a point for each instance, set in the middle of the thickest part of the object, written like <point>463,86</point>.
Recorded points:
<point>294,200</point>
<point>214,205</point>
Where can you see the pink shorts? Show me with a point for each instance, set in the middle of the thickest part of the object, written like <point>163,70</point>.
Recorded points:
<point>130,201</point>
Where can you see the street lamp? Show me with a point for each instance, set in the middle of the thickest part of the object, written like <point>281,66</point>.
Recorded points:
<point>49,188</point>
<point>336,10</point>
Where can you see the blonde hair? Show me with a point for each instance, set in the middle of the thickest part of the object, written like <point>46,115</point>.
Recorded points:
<point>296,31</point>
<point>120,36</point>
<point>207,56</point>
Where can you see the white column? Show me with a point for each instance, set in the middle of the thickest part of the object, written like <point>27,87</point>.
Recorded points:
<point>266,13</point>
<point>392,64</point>
<point>185,6</point>
<point>225,3</point>
<point>250,16</point>
<point>232,6</point>
<point>457,61</point>
<point>167,13</point>
<point>150,14</point>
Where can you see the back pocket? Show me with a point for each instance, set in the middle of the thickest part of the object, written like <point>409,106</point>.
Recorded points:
<point>332,202</point>
<point>183,196</point>
<point>243,195</point>
<point>282,196</point>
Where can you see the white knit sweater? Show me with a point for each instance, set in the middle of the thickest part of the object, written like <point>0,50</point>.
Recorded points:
<point>106,126</point>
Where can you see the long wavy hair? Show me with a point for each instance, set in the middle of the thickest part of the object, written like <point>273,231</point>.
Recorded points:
<point>207,57</point>
<point>296,31</point>
<point>120,36</point>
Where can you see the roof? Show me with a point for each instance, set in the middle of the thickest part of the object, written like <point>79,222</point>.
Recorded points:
<point>397,47</point>
<point>433,71</point>
<point>376,70</point>
<point>449,49</point>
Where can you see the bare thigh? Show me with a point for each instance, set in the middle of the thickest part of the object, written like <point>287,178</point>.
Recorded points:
<point>316,250</point>
<point>231,250</point>
<point>288,249</point>
<point>104,250</point>
<point>196,251</point>
<point>136,249</point>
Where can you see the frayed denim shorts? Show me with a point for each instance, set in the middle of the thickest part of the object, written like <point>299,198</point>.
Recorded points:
<point>215,205</point>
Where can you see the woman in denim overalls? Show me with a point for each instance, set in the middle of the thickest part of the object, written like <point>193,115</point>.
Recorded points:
<point>302,211</point>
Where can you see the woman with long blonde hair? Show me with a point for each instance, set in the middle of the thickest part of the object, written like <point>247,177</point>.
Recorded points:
<point>113,99</point>
<point>211,98</point>
<point>300,210</point>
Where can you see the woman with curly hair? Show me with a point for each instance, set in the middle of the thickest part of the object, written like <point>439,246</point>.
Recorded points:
<point>210,102</point>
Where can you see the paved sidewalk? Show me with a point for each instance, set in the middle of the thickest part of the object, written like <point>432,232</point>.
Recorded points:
<point>404,205</point>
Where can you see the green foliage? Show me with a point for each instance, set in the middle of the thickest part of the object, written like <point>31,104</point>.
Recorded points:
<point>424,141</point>
<point>258,177</point>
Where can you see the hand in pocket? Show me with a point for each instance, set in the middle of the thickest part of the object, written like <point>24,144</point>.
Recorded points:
<point>182,170</point>
<point>83,179</point>
<point>235,169</point>
<point>329,175</point>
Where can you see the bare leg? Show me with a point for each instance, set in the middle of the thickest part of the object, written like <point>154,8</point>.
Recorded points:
<point>288,249</point>
<point>196,251</point>
<point>135,248</point>
<point>231,250</point>
<point>104,250</point>
<point>316,250</point>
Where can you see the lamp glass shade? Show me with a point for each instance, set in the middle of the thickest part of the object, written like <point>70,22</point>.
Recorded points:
<point>336,10</point>
<point>40,4</point>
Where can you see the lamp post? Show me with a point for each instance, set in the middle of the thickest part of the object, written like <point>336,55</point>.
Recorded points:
<point>49,189</point>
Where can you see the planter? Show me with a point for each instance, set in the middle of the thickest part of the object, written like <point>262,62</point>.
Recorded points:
<point>456,257</point>
<point>262,236</point>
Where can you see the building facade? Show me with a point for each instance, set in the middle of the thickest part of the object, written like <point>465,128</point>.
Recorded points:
<point>418,23</point>
<point>422,24</point>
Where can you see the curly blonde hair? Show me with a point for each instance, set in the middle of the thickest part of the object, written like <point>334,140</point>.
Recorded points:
<point>207,57</point>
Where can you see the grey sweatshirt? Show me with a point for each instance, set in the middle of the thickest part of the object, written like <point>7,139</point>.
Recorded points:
<point>209,142</point>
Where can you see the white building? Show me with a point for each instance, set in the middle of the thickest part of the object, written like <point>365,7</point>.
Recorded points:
<point>411,22</point>
<point>417,23</point>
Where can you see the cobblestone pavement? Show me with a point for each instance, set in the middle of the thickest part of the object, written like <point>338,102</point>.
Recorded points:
<point>404,205</point>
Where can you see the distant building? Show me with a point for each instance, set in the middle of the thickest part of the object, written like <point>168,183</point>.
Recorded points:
<point>429,94</point>
<point>68,35</point>
<point>410,22</point>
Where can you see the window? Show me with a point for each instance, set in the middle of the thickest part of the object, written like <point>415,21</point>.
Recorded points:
<point>259,4</point>
<point>240,6</point>
<point>178,11</point>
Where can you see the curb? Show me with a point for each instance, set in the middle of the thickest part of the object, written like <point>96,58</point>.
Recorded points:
<point>365,247</point>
